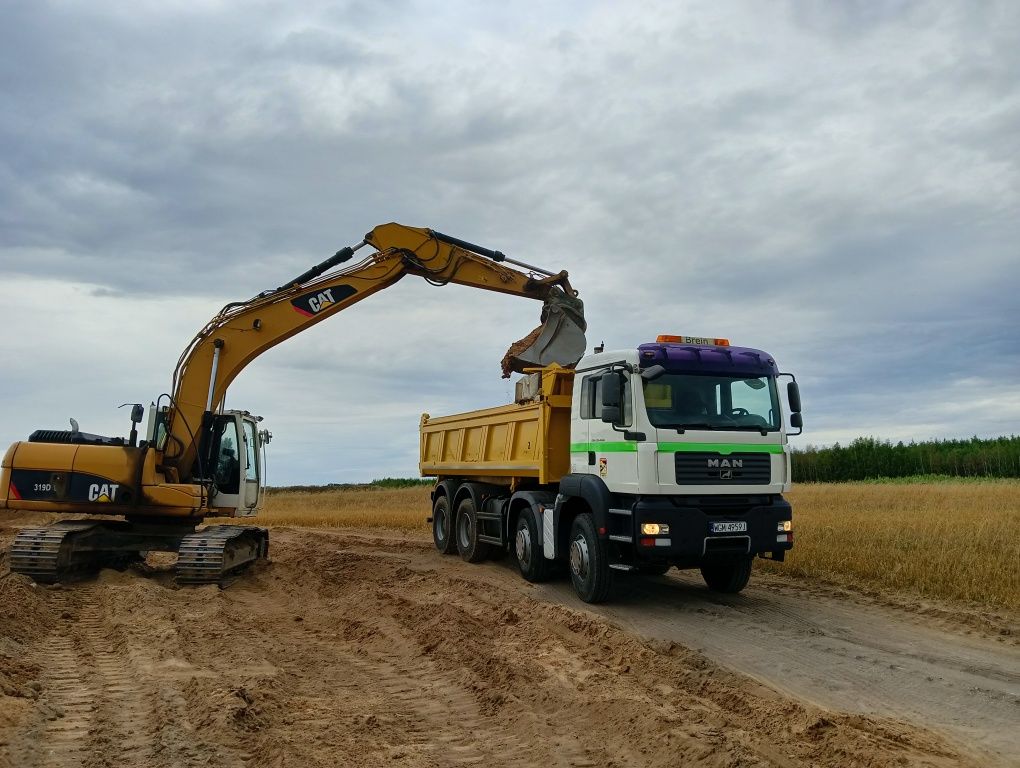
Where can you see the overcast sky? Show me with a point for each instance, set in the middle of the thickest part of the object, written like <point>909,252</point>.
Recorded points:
<point>836,183</point>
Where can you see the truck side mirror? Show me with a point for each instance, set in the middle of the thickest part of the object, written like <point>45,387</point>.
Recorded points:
<point>651,374</point>
<point>796,421</point>
<point>793,395</point>
<point>612,395</point>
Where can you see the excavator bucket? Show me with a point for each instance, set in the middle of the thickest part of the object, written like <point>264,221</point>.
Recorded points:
<point>559,339</point>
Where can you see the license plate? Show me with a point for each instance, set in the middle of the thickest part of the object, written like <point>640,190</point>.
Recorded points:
<point>740,527</point>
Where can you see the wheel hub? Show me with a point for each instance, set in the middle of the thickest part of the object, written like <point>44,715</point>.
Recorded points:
<point>579,560</point>
<point>523,545</point>
<point>464,532</point>
<point>442,523</point>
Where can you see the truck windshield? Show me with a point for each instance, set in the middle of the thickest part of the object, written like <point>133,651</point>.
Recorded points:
<point>687,401</point>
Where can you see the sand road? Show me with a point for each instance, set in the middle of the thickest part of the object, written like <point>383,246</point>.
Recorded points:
<point>364,649</point>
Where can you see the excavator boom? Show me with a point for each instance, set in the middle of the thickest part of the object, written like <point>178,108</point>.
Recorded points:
<point>242,331</point>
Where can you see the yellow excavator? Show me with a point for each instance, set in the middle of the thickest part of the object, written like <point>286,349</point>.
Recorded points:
<point>199,460</point>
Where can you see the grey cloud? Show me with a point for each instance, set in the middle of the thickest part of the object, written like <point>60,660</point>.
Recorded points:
<point>812,179</point>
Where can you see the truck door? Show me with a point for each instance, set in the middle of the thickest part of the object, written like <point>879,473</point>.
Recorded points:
<point>582,458</point>
<point>615,457</point>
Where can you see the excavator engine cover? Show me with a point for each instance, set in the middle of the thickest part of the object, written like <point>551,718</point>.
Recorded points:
<point>559,339</point>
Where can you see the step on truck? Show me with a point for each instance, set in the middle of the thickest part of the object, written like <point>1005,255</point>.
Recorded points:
<point>672,454</point>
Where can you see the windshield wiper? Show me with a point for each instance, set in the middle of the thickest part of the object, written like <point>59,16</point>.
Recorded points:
<point>694,425</point>
<point>763,431</point>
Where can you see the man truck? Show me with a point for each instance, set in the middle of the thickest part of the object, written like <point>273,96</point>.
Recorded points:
<point>673,453</point>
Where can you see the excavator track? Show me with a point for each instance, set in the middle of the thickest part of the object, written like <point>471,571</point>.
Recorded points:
<point>218,551</point>
<point>63,550</point>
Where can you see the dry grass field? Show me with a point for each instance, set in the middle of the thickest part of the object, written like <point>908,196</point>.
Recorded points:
<point>404,509</point>
<point>946,540</point>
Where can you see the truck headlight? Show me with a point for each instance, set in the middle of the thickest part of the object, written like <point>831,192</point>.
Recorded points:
<point>785,525</point>
<point>654,529</point>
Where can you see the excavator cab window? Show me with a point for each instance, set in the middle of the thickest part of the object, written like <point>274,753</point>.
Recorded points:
<point>227,471</point>
<point>251,467</point>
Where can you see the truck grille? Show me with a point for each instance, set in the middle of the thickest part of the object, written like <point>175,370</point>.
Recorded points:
<point>714,469</point>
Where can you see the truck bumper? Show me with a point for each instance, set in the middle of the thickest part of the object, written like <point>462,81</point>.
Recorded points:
<point>693,539</point>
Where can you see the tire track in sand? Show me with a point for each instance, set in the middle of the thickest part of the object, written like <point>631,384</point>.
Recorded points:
<point>123,731</point>
<point>66,707</point>
<point>452,728</point>
<point>95,705</point>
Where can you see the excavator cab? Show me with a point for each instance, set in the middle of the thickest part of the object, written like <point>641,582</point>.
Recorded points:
<point>232,461</point>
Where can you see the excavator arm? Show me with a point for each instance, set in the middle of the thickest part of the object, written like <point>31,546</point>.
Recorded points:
<point>242,331</point>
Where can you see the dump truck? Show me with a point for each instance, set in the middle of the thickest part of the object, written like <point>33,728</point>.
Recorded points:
<point>670,454</point>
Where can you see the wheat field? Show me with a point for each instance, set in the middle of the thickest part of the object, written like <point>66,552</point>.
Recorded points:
<point>955,540</point>
<point>404,509</point>
<point>947,540</point>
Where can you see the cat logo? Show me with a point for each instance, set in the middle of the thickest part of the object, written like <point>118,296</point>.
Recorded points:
<point>322,300</point>
<point>103,492</point>
<point>311,304</point>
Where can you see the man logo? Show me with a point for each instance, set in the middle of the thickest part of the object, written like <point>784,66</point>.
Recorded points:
<point>725,474</point>
<point>719,463</point>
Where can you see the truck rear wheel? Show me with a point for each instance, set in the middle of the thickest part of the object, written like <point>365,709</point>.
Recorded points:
<point>442,526</point>
<point>729,576</point>
<point>589,561</point>
<point>470,548</point>
<point>530,558</point>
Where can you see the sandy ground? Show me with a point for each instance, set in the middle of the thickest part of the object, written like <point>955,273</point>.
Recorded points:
<point>360,649</point>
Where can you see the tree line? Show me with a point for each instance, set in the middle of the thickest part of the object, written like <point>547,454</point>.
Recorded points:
<point>867,458</point>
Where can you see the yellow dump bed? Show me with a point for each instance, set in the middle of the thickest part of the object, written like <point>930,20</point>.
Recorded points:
<point>528,440</point>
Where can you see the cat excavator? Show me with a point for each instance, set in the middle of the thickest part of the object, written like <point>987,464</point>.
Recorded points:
<point>199,460</point>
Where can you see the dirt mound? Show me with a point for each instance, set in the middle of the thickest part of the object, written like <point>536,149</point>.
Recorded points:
<point>371,651</point>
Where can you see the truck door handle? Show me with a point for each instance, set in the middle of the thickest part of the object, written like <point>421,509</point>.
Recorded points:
<point>591,458</point>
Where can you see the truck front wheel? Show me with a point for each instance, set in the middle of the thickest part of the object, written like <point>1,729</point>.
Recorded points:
<point>589,561</point>
<point>442,526</point>
<point>530,558</point>
<point>470,548</point>
<point>729,576</point>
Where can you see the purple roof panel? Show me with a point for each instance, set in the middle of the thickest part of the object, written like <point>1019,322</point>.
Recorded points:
<point>717,361</point>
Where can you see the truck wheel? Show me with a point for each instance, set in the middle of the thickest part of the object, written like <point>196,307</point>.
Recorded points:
<point>589,561</point>
<point>729,576</point>
<point>530,557</point>
<point>470,548</point>
<point>442,526</point>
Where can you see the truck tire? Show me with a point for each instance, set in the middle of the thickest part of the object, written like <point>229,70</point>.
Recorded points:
<point>588,557</point>
<point>529,555</point>
<point>471,549</point>
<point>728,576</point>
<point>442,526</point>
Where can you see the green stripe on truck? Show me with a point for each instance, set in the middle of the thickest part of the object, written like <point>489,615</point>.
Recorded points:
<point>723,449</point>
<point>604,447</point>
